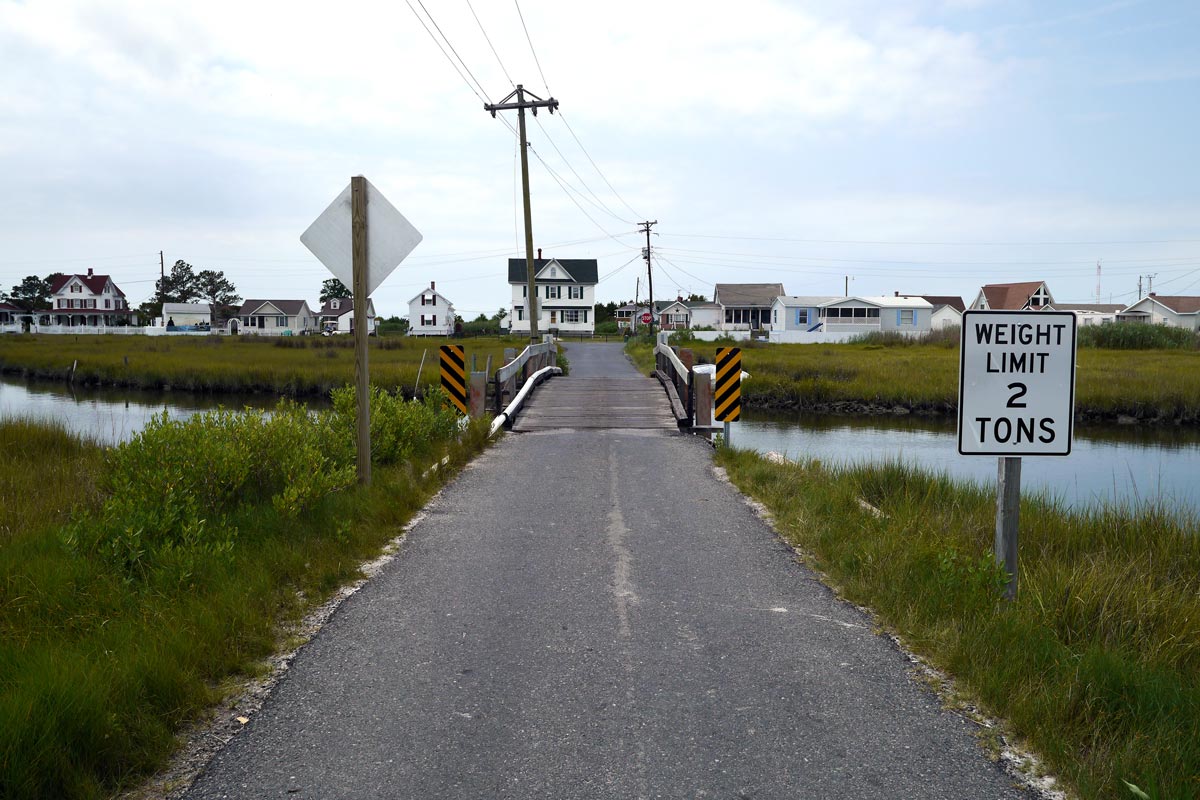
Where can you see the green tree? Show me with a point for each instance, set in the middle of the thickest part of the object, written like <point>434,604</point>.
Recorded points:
<point>213,287</point>
<point>31,294</point>
<point>179,286</point>
<point>697,298</point>
<point>334,288</point>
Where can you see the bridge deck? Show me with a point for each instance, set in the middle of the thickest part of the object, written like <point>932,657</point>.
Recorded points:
<point>597,403</point>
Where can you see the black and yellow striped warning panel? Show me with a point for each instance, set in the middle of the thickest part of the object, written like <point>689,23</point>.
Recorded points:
<point>727,401</point>
<point>454,375</point>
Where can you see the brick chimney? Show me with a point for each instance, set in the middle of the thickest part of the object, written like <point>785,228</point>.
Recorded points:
<point>432,286</point>
<point>89,272</point>
<point>1152,294</point>
<point>539,254</point>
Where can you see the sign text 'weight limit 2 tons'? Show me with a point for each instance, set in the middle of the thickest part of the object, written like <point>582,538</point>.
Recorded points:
<point>1016,393</point>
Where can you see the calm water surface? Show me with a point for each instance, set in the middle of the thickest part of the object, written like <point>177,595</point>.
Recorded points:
<point>1125,464</point>
<point>109,415</point>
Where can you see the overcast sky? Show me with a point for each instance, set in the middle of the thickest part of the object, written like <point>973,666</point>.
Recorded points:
<point>924,146</point>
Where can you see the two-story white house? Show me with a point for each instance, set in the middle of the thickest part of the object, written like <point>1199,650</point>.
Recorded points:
<point>274,317</point>
<point>89,300</point>
<point>430,313</point>
<point>337,316</point>
<point>566,294</point>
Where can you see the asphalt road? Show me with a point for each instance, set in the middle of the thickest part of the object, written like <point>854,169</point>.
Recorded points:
<point>593,614</point>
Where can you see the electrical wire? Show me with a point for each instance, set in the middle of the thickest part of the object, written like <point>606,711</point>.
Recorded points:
<point>535,56</point>
<point>596,166</point>
<point>946,243</point>
<point>489,41</point>
<point>477,92</point>
<point>600,204</point>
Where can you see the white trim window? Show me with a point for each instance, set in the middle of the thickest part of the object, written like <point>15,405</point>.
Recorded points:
<point>574,292</point>
<point>906,316</point>
<point>553,292</point>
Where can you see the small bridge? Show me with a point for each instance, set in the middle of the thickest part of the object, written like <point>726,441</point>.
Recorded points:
<point>603,391</point>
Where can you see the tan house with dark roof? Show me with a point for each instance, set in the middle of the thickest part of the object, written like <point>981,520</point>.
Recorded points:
<point>1178,311</point>
<point>1029,296</point>
<point>747,306</point>
<point>275,317</point>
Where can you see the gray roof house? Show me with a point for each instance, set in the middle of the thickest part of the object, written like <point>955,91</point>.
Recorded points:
<point>747,305</point>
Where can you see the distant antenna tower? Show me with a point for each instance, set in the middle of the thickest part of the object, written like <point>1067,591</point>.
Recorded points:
<point>1097,281</point>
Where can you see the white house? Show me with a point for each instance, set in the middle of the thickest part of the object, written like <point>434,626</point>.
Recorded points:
<point>274,317</point>
<point>337,316</point>
<point>705,314</point>
<point>1091,313</point>
<point>566,294</point>
<point>1029,296</point>
<point>672,315</point>
<point>430,313</point>
<point>798,313</point>
<point>187,315</point>
<point>947,309</point>
<point>89,300</point>
<point>1178,311</point>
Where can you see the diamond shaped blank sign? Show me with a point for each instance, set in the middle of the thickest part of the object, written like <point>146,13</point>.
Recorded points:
<point>390,238</point>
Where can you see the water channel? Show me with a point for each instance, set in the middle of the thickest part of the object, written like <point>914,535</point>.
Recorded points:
<point>1124,464</point>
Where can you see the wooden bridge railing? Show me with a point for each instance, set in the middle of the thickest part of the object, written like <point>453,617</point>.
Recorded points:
<point>674,370</point>
<point>511,377</point>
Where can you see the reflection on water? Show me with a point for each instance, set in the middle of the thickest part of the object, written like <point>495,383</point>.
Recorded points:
<point>1125,464</point>
<point>109,415</point>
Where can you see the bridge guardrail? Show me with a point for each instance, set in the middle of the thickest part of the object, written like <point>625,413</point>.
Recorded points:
<point>512,376</point>
<point>675,372</point>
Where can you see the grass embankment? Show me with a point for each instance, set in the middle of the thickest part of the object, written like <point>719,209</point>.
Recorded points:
<point>868,377</point>
<point>138,583</point>
<point>1096,664</point>
<point>297,366</point>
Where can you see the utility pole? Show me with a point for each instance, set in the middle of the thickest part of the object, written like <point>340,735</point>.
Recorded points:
<point>637,292</point>
<point>520,105</point>
<point>649,275</point>
<point>162,286</point>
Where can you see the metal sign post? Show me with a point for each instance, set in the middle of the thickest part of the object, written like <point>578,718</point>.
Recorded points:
<point>1016,397</point>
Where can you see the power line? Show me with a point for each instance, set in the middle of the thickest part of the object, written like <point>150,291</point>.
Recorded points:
<point>946,243</point>
<point>535,57</point>
<point>489,41</point>
<point>594,165</point>
<point>599,203</point>
<point>618,269</point>
<point>477,92</point>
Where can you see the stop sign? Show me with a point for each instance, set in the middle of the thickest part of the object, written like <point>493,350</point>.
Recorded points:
<point>646,318</point>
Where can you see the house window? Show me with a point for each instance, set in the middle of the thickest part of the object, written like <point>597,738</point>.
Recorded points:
<point>76,288</point>
<point>774,315</point>
<point>1040,298</point>
<point>553,272</point>
<point>575,292</point>
<point>553,292</point>
<point>801,316</point>
<point>520,313</point>
<point>906,316</point>
<point>569,315</point>
<point>281,322</point>
<point>107,303</point>
<point>335,304</point>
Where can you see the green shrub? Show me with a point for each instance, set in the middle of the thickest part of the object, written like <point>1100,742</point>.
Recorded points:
<point>1138,336</point>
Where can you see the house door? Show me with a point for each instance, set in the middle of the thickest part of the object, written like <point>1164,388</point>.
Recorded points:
<point>553,317</point>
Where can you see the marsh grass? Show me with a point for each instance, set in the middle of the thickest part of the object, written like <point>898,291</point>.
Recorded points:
<point>924,376</point>
<point>1096,664</point>
<point>297,366</point>
<point>157,571</point>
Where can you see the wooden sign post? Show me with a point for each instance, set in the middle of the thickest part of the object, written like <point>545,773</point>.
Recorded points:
<point>361,238</point>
